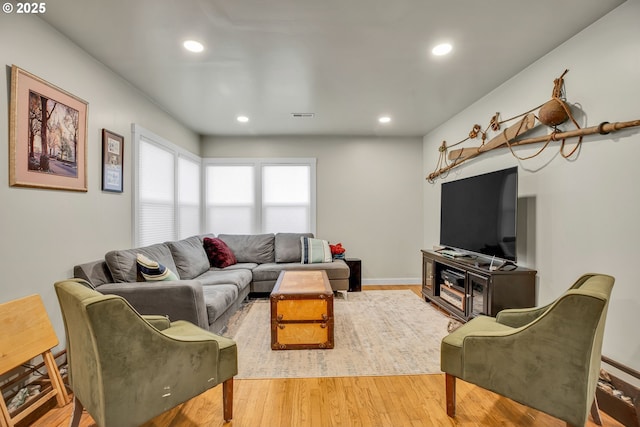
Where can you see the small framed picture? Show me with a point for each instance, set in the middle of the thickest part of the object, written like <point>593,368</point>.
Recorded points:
<point>112,156</point>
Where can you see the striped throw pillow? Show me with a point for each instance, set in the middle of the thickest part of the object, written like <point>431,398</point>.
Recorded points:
<point>153,271</point>
<point>314,250</point>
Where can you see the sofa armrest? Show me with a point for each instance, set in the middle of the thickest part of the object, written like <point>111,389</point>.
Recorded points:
<point>177,299</point>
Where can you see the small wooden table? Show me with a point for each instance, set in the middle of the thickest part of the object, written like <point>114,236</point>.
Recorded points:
<point>302,311</point>
<point>355,274</point>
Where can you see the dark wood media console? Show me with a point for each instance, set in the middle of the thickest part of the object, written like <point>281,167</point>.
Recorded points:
<point>465,288</point>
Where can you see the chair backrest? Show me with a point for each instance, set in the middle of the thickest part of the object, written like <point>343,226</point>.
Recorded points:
<point>577,319</point>
<point>600,285</point>
<point>26,333</point>
<point>85,376</point>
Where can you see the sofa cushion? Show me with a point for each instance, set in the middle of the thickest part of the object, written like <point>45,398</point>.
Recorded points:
<point>288,247</point>
<point>153,271</point>
<point>314,250</point>
<point>218,299</point>
<point>258,248</point>
<point>190,258</point>
<point>240,278</point>
<point>238,266</point>
<point>122,263</point>
<point>218,252</point>
<point>269,272</point>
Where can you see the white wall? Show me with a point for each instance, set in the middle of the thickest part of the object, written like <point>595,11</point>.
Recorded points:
<point>43,233</point>
<point>582,214</point>
<point>368,195</point>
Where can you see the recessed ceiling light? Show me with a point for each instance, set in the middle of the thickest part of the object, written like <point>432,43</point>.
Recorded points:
<point>242,119</point>
<point>384,119</point>
<point>442,49</point>
<point>193,46</point>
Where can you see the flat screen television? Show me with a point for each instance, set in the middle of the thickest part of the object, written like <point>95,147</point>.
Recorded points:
<point>478,214</point>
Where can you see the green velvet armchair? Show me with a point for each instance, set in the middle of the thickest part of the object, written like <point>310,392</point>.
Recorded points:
<point>125,368</point>
<point>547,358</point>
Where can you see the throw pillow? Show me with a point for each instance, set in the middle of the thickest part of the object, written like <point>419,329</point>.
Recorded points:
<point>219,254</point>
<point>314,250</point>
<point>287,246</point>
<point>153,271</point>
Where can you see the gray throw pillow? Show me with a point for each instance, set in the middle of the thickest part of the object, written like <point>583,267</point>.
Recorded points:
<point>288,248</point>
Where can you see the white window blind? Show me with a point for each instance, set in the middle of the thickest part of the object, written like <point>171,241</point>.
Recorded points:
<point>286,198</point>
<point>230,198</point>
<point>188,197</point>
<point>167,190</point>
<point>241,196</point>
<point>156,194</point>
<point>245,196</point>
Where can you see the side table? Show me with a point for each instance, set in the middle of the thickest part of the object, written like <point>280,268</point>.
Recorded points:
<point>355,277</point>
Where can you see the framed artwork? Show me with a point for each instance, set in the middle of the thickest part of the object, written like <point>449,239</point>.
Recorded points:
<point>47,135</point>
<point>112,154</point>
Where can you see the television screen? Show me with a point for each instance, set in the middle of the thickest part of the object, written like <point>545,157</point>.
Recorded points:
<point>478,214</point>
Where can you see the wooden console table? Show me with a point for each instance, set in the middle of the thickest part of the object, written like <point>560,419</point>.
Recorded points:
<point>464,288</point>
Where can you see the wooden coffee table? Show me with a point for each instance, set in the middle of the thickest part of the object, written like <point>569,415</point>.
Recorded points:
<point>302,311</point>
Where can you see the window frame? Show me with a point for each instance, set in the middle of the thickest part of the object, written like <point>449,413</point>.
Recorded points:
<point>139,133</point>
<point>258,163</point>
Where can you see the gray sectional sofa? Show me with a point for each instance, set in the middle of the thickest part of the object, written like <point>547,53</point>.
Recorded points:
<point>204,295</point>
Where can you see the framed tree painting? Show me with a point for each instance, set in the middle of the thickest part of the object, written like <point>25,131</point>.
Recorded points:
<point>112,153</point>
<point>47,135</point>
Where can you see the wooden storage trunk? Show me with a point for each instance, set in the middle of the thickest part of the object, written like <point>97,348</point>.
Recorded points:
<point>302,311</point>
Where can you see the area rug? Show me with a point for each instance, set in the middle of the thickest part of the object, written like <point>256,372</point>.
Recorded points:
<point>376,333</point>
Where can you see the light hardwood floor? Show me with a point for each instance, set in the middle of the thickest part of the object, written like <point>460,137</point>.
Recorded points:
<point>411,400</point>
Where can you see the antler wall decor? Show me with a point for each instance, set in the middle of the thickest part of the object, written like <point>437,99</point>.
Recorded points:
<point>551,114</point>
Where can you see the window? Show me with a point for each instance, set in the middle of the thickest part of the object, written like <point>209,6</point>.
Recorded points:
<point>242,196</point>
<point>189,196</point>
<point>286,198</point>
<point>155,193</point>
<point>166,190</point>
<point>230,199</point>
<point>245,196</point>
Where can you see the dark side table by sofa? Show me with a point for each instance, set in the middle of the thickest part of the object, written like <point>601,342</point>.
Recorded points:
<point>355,277</point>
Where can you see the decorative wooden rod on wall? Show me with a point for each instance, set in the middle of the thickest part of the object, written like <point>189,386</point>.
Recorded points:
<point>551,114</point>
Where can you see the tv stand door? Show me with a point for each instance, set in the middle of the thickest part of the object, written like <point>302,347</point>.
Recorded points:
<point>478,295</point>
<point>428,278</point>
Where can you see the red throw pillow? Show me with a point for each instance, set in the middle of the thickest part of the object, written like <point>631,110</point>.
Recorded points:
<point>219,254</point>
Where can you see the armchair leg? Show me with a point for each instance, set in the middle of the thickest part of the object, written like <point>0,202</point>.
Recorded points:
<point>227,399</point>
<point>595,412</point>
<point>78,407</point>
<point>450,390</point>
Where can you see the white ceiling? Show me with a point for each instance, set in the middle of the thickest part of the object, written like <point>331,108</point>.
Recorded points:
<point>347,61</point>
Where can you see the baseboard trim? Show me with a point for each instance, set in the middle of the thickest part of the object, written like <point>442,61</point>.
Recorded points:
<point>393,281</point>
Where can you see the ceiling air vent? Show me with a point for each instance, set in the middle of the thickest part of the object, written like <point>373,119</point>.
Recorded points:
<point>302,115</point>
